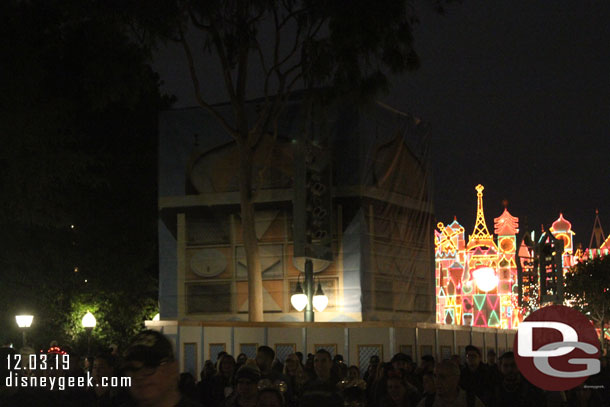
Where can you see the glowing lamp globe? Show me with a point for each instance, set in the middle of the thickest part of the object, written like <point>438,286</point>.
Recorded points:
<point>24,321</point>
<point>89,320</point>
<point>486,278</point>
<point>320,301</point>
<point>299,299</point>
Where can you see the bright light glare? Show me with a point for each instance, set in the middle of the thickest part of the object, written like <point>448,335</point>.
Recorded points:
<point>320,302</point>
<point>24,321</point>
<point>485,278</point>
<point>157,317</point>
<point>89,320</point>
<point>299,301</point>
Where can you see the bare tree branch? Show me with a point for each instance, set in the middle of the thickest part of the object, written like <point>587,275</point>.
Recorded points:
<point>197,87</point>
<point>242,64</point>
<point>196,22</point>
<point>261,56</point>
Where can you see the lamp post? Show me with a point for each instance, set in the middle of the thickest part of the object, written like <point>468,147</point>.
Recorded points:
<point>24,322</point>
<point>89,323</point>
<point>307,299</point>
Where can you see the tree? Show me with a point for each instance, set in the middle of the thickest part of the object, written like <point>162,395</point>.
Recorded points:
<point>327,49</point>
<point>78,119</point>
<point>588,289</point>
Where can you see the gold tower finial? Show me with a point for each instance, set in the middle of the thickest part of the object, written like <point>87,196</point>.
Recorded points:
<point>481,233</point>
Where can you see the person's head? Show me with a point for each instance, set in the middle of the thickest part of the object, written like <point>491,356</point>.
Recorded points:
<point>149,361</point>
<point>491,357</point>
<point>322,363</point>
<point>292,365</point>
<point>428,383</point>
<point>402,361</point>
<point>508,367</point>
<point>264,358</point>
<point>241,358</point>
<point>374,360</point>
<point>473,357</point>
<point>270,397</point>
<point>427,363</point>
<point>396,386</point>
<point>300,356</point>
<point>446,378</point>
<point>226,365</point>
<point>208,369</point>
<point>246,380</point>
<point>338,359</point>
<point>220,355</point>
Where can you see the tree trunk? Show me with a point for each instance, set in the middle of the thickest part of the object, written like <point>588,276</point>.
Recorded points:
<point>255,278</point>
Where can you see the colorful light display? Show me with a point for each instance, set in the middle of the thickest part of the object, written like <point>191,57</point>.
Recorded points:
<point>477,280</point>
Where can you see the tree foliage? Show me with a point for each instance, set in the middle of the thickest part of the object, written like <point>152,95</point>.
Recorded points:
<point>78,109</point>
<point>271,48</point>
<point>588,289</point>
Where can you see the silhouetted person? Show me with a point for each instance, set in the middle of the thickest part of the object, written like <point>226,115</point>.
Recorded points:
<point>150,362</point>
<point>513,390</point>
<point>448,392</point>
<point>475,376</point>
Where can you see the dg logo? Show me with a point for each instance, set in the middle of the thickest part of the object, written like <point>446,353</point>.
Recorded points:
<point>556,348</point>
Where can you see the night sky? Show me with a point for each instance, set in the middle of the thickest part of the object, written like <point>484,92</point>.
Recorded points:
<point>518,98</point>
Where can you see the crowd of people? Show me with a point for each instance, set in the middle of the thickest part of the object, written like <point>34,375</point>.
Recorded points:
<point>315,380</point>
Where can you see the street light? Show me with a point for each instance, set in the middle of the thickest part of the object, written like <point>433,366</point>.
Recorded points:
<point>299,299</point>
<point>320,300</point>
<point>89,323</point>
<point>307,300</point>
<point>24,322</point>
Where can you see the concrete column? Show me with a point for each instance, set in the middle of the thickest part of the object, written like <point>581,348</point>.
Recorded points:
<point>416,352</point>
<point>392,333</point>
<point>346,346</point>
<point>181,264</point>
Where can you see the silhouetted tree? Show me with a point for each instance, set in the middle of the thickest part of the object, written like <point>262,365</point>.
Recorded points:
<point>588,290</point>
<point>339,48</point>
<point>78,120</point>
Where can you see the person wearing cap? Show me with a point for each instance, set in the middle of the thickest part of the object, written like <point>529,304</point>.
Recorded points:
<point>246,393</point>
<point>149,362</point>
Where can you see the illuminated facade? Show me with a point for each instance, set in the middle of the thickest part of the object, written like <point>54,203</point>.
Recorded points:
<point>601,247</point>
<point>476,280</point>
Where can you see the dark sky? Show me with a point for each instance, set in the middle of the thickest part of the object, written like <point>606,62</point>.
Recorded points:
<point>518,97</point>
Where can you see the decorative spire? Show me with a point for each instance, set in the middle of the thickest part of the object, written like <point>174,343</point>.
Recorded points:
<point>561,225</point>
<point>506,224</point>
<point>480,235</point>
<point>597,233</point>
